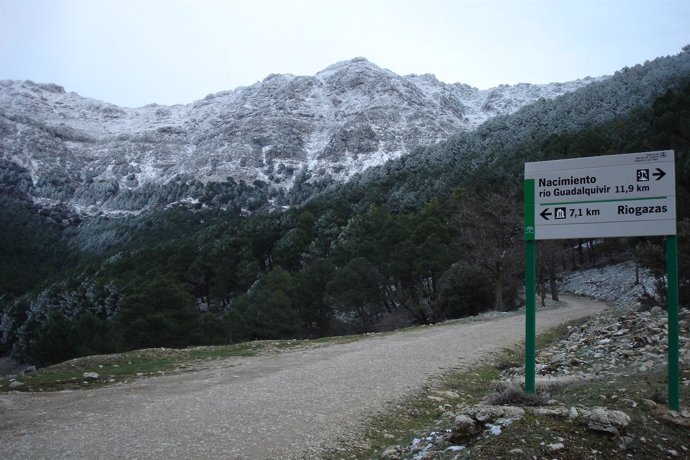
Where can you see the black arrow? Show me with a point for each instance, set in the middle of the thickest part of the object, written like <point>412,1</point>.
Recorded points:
<point>658,174</point>
<point>545,214</point>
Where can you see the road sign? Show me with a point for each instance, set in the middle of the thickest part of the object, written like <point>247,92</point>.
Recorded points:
<point>633,194</point>
<point>615,195</point>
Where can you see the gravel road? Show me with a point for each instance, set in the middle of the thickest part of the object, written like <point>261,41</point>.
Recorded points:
<point>292,404</point>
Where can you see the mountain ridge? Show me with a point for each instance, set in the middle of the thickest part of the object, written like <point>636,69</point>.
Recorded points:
<point>346,118</point>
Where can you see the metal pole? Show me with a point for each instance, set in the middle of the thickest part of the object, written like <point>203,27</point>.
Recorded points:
<point>673,347</point>
<point>530,315</point>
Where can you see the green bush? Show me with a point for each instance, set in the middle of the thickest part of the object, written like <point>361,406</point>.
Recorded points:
<point>464,290</point>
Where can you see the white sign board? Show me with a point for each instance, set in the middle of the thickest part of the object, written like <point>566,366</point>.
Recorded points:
<point>633,194</point>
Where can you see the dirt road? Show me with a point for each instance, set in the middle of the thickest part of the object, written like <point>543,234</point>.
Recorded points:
<point>287,405</point>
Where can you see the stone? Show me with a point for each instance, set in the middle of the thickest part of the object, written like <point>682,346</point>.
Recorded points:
<point>557,358</point>
<point>465,428</point>
<point>604,341</point>
<point>91,375</point>
<point>435,399</point>
<point>14,384</point>
<point>630,402</point>
<point>556,446</point>
<point>551,411</point>
<point>573,413</point>
<point>391,453</point>
<point>649,403</point>
<point>626,443</point>
<point>606,420</point>
<point>516,451</point>
<point>576,362</point>
<point>448,394</point>
<point>486,413</point>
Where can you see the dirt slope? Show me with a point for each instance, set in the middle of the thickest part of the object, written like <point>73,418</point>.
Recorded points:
<point>287,405</point>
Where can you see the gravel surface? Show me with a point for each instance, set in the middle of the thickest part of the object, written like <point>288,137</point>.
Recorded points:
<point>294,404</point>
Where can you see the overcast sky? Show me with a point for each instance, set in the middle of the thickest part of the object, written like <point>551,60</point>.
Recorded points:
<point>132,53</point>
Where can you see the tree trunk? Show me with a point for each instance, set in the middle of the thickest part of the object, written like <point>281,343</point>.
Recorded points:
<point>591,254</point>
<point>499,287</point>
<point>541,287</point>
<point>553,281</point>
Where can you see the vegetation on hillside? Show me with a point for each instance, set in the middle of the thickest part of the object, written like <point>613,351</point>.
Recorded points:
<point>434,235</point>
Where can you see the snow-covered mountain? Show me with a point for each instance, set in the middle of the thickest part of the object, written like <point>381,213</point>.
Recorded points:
<point>346,118</point>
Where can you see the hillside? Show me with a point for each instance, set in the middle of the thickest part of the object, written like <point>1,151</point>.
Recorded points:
<point>97,157</point>
<point>433,235</point>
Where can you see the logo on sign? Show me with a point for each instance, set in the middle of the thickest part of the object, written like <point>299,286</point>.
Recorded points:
<point>559,213</point>
<point>643,175</point>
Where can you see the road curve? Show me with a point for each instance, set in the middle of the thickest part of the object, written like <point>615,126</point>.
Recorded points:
<point>292,404</point>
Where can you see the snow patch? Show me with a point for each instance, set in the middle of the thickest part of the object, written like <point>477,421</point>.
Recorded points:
<point>612,283</point>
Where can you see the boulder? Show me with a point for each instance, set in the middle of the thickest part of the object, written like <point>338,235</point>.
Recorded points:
<point>605,420</point>
<point>464,429</point>
<point>91,376</point>
<point>391,453</point>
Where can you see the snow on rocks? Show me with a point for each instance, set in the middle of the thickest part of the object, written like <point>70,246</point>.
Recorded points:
<point>613,283</point>
<point>341,121</point>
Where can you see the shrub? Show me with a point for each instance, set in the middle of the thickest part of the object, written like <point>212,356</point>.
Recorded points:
<point>464,290</point>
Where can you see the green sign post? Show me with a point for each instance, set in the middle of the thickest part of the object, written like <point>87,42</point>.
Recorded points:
<point>598,197</point>
<point>673,333</point>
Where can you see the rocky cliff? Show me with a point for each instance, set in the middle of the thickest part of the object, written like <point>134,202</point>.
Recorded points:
<point>348,117</point>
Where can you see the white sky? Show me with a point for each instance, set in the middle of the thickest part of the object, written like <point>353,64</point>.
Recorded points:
<point>132,53</point>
